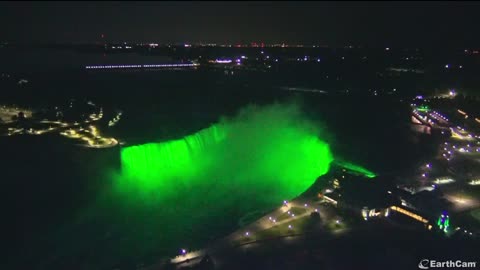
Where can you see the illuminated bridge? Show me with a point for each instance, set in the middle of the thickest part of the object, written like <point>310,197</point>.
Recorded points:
<point>142,66</point>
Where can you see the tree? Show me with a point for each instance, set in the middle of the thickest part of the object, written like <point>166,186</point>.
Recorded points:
<point>315,216</point>
<point>206,263</point>
<point>169,266</point>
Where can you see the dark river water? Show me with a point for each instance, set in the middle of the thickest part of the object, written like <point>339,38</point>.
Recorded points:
<point>59,208</point>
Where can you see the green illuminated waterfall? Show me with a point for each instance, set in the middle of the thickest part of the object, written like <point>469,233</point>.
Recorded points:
<point>259,157</point>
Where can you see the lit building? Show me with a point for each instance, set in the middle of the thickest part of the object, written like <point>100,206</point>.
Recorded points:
<point>365,197</point>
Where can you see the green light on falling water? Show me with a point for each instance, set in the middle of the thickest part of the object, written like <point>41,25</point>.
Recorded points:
<point>261,156</point>
<point>356,169</point>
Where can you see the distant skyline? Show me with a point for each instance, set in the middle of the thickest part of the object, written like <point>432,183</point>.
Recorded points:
<point>375,24</point>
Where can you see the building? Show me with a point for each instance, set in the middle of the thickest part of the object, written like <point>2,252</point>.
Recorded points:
<point>365,197</point>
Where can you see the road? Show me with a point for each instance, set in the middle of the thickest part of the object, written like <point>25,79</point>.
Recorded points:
<point>266,222</point>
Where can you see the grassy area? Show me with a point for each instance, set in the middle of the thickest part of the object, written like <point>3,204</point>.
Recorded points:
<point>476,214</point>
<point>294,210</point>
<point>473,191</point>
<point>300,225</point>
<point>332,225</point>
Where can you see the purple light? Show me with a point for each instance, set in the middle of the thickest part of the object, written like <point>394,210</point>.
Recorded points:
<point>183,251</point>
<point>228,61</point>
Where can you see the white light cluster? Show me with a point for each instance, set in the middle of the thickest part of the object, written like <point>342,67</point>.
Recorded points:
<point>140,66</point>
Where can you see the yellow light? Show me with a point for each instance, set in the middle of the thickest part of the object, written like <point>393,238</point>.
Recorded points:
<point>408,213</point>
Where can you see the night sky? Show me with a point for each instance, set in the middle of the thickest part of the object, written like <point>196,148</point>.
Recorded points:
<point>412,24</point>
